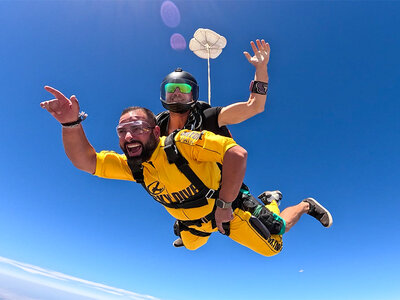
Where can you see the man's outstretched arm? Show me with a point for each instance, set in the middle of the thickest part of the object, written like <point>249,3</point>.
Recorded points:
<point>241,111</point>
<point>76,145</point>
<point>233,170</point>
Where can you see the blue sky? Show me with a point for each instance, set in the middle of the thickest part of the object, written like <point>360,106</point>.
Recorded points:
<point>330,130</point>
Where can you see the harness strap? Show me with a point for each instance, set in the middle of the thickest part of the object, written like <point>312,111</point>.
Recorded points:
<point>198,222</point>
<point>175,157</point>
<point>195,232</point>
<point>137,172</point>
<point>198,200</point>
<point>179,227</point>
<point>211,216</point>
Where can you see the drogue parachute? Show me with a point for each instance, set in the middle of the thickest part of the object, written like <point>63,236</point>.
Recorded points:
<point>207,44</point>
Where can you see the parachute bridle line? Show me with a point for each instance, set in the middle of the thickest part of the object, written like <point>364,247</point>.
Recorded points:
<point>209,76</point>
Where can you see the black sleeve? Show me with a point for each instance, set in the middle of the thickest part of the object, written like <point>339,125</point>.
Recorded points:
<point>211,121</point>
<point>162,120</point>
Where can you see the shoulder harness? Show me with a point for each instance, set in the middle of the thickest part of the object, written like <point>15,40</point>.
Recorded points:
<point>175,157</point>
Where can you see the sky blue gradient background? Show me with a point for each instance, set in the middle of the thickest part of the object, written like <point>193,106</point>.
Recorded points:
<point>330,130</point>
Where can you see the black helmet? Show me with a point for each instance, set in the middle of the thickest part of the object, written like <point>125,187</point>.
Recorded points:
<point>179,76</point>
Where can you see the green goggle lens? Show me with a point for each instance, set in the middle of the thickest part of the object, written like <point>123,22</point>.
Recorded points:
<point>183,87</point>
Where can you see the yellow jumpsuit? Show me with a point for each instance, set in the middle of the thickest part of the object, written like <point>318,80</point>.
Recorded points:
<point>203,150</point>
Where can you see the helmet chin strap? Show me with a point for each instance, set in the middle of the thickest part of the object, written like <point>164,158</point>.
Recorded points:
<point>178,108</point>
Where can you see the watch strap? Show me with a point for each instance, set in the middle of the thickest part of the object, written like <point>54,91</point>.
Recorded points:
<point>259,87</point>
<point>82,116</point>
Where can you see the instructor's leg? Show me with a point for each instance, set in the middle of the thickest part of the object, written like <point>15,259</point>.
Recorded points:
<point>292,214</point>
<point>309,206</point>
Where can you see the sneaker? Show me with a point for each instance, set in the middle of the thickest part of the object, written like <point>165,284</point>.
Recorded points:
<point>267,197</point>
<point>319,212</point>
<point>178,243</point>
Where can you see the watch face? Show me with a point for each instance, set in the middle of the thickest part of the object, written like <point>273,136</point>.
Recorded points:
<point>219,203</point>
<point>222,204</point>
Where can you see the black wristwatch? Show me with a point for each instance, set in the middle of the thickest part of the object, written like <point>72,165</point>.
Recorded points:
<point>222,204</point>
<point>82,116</point>
<point>258,87</point>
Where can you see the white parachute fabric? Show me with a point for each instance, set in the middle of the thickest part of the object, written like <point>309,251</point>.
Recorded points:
<point>207,44</point>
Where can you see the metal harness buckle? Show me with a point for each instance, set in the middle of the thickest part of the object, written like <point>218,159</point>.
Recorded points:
<point>209,194</point>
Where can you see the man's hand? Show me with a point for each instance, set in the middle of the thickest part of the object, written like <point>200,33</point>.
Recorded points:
<point>261,55</point>
<point>64,110</point>
<point>223,215</point>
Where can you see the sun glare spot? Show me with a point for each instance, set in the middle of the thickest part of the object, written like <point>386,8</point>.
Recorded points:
<point>177,42</point>
<point>170,14</point>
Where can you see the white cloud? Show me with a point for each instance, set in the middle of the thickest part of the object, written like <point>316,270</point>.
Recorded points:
<point>7,295</point>
<point>63,281</point>
<point>301,271</point>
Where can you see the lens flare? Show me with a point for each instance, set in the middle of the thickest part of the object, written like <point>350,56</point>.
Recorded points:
<point>177,42</point>
<point>170,14</point>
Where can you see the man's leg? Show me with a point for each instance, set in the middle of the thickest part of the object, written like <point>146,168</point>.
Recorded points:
<point>192,237</point>
<point>191,241</point>
<point>245,234</point>
<point>310,206</point>
<point>271,199</point>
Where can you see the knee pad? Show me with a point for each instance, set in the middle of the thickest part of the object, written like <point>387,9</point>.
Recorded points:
<point>249,203</point>
<point>274,223</point>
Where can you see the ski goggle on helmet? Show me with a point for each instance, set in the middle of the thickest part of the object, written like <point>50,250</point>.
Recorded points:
<point>182,80</point>
<point>183,87</point>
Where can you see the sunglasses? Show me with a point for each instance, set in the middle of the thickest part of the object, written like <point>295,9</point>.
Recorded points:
<point>183,87</point>
<point>134,128</point>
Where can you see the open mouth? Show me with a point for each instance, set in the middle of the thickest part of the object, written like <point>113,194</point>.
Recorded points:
<point>134,149</point>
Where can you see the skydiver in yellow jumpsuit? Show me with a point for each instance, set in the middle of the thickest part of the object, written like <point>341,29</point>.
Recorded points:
<point>230,210</point>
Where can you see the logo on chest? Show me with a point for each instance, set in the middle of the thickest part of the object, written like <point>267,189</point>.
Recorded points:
<point>155,188</point>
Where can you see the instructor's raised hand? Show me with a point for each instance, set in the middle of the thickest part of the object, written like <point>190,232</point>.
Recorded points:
<point>261,54</point>
<point>64,110</point>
